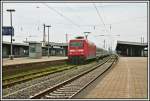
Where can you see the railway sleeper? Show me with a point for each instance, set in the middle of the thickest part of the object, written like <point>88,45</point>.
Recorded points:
<point>81,81</point>
<point>78,84</point>
<point>65,93</point>
<point>72,88</point>
<point>60,94</point>
<point>67,90</point>
<point>54,97</point>
<point>72,85</point>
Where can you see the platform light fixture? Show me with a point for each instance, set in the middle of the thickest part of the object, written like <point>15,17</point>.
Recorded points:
<point>86,34</point>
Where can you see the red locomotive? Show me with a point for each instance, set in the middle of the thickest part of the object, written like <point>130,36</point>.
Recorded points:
<point>80,50</point>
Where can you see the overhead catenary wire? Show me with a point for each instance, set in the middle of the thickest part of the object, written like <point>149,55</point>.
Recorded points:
<point>62,15</point>
<point>66,18</point>
<point>99,15</point>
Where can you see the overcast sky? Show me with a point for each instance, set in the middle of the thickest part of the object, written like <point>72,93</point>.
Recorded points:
<point>129,20</point>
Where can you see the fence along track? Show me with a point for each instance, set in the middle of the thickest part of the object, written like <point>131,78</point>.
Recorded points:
<point>71,87</point>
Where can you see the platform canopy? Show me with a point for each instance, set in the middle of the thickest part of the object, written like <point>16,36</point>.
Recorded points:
<point>131,43</point>
<point>126,48</point>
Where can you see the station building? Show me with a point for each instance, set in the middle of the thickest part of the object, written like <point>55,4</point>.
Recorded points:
<point>56,49</point>
<point>125,48</point>
<point>22,49</point>
<point>19,49</point>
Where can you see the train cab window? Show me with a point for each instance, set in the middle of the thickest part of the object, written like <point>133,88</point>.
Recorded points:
<point>76,44</point>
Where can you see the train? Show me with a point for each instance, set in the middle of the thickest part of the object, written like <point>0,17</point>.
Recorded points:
<point>81,50</point>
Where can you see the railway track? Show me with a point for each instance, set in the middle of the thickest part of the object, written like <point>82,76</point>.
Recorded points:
<point>24,90</point>
<point>29,76</point>
<point>76,84</point>
<point>30,88</point>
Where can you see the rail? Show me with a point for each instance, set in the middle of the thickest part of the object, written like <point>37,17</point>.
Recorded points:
<point>54,88</point>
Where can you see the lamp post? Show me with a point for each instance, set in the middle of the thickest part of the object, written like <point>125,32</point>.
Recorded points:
<point>11,48</point>
<point>48,39</point>
<point>86,34</point>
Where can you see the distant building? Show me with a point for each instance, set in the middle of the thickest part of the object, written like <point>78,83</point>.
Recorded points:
<point>22,49</point>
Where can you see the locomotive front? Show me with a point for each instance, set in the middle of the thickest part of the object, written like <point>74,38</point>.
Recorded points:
<point>76,52</point>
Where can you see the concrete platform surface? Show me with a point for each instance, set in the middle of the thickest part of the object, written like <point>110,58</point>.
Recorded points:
<point>128,79</point>
<point>7,61</point>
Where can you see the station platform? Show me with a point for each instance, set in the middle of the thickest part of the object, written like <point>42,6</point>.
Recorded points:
<point>128,79</point>
<point>15,61</point>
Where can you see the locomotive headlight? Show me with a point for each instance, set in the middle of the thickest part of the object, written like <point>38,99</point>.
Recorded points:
<point>72,50</point>
<point>80,50</point>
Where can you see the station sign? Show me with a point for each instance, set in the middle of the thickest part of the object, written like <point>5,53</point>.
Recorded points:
<point>7,30</point>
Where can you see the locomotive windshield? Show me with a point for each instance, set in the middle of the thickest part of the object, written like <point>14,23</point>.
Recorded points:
<point>76,44</point>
